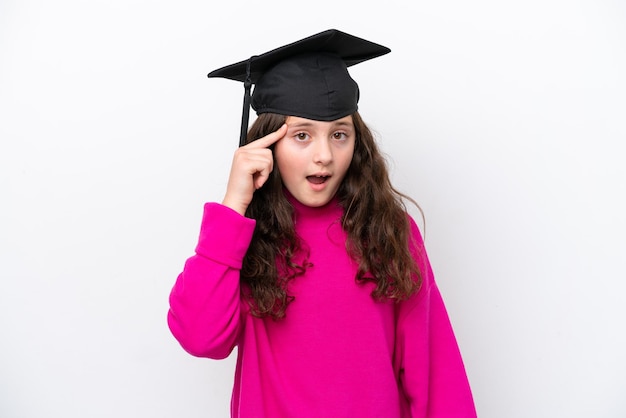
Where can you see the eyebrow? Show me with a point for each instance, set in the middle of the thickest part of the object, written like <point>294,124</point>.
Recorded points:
<point>300,124</point>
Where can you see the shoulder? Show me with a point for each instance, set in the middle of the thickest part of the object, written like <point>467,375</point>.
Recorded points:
<point>416,240</point>
<point>418,251</point>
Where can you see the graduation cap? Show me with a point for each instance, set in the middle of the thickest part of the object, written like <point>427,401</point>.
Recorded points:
<point>308,78</point>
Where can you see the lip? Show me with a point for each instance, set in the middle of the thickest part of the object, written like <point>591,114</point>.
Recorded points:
<point>318,186</point>
<point>320,174</point>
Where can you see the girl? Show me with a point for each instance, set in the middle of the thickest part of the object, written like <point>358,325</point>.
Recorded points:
<point>311,266</point>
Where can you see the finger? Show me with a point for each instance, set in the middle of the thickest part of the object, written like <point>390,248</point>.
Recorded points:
<point>252,160</point>
<point>266,166</point>
<point>269,139</point>
<point>261,177</point>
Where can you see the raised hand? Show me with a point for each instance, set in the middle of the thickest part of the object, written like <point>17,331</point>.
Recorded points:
<point>251,167</point>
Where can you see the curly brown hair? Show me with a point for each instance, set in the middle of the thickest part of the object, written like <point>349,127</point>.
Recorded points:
<point>375,220</point>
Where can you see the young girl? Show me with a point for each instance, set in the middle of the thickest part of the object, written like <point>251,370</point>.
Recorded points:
<point>311,265</point>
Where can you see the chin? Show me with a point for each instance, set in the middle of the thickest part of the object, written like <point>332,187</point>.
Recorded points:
<point>314,202</point>
<point>317,204</point>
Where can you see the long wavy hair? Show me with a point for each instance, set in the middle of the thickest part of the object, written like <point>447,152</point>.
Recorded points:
<point>374,219</point>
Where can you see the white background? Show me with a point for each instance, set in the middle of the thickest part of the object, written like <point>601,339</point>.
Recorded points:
<point>504,120</point>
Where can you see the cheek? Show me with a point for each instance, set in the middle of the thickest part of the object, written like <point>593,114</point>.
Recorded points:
<point>279,156</point>
<point>285,159</point>
<point>346,158</point>
<point>285,170</point>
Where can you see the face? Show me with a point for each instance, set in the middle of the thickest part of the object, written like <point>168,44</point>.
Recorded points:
<point>314,156</point>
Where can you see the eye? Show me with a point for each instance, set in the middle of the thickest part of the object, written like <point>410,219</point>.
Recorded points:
<point>301,136</point>
<point>340,136</point>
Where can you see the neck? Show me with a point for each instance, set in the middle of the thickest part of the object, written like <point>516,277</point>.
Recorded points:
<point>302,212</point>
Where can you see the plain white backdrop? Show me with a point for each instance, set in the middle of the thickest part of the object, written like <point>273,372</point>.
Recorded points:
<point>504,120</point>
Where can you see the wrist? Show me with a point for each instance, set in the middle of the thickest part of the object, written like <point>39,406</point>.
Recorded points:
<point>235,205</point>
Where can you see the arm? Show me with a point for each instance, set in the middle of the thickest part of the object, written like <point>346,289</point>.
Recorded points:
<point>204,314</point>
<point>429,363</point>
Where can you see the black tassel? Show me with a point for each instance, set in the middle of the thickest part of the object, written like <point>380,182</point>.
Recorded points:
<point>245,116</point>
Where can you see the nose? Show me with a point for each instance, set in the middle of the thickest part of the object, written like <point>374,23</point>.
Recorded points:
<point>323,153</point>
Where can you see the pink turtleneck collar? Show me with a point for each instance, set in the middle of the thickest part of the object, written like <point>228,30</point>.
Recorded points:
<point>331,210</point>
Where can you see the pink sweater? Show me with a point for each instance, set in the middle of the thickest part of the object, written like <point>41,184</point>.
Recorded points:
<point>338,353</point>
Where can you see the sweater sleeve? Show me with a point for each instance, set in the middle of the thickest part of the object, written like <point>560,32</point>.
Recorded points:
<point>428,360</point>
<point>204,314</point>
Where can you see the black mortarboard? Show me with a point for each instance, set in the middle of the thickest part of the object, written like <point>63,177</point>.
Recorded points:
<point>308,78</point>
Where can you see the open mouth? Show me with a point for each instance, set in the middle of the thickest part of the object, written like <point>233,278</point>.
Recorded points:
<point>317,179</point>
